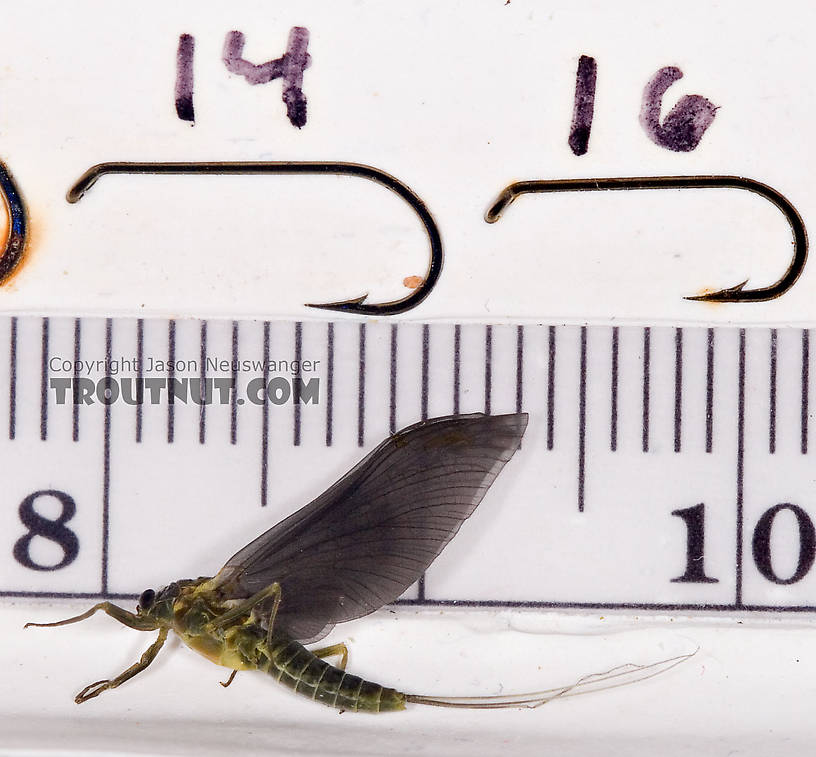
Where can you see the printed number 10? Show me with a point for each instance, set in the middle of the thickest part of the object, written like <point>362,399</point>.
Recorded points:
<point>694,518</point>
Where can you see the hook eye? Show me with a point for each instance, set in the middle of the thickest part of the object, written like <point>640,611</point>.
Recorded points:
<point>736,293</point>
<point>17,227</point>
<point>356,305</point>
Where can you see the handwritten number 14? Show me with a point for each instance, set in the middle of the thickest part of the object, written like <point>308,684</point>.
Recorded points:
<point>289,68</point>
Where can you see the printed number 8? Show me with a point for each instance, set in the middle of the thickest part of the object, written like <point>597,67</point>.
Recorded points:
<point>53,530</point>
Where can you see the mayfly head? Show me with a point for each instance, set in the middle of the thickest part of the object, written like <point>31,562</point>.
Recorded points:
<point>146,600</point>
<point>158,605</point>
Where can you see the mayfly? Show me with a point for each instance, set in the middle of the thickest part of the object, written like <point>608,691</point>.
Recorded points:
<point>355,548</point>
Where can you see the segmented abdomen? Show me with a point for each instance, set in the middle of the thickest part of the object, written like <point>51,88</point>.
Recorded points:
<point>296,667</point>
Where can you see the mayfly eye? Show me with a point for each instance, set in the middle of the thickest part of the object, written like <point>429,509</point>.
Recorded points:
<point>146,600</point>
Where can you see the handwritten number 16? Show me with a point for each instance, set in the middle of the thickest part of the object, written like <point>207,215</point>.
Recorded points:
<point>680,131</point>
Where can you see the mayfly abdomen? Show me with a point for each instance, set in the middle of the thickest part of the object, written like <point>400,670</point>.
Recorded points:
<point>347,692</point>
<point>297,668</point>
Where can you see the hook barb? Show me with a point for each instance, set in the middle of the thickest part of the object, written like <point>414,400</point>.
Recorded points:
<point>356,305</point>
<point>729,294</point>
<point>342,306</point>
<point>736,293</point>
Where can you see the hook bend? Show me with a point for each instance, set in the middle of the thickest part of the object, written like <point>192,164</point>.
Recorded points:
<point>17,225</point>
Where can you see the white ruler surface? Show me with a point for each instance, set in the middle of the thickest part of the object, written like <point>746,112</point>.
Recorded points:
<point>664,468</point>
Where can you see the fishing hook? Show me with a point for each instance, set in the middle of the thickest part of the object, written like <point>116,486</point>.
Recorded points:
<point>736,293</point>
<point>16,239</point>
<point>354,305</point>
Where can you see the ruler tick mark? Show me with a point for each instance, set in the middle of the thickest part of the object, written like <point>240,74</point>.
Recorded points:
<point>171,375</point>
<point>106,456</point>
<point>709,419</point>
<point>613,420</point>
<point>551,387</point>
<point>44,383</point>
<point>392,415</point>
<point>139,377</point>
<point>426,348</point>
<point>424,414</point>
<point>13,379</point>
<point>772,397</point>
<point>678,388</point>
<point>265,418</point>
<point>457,361</point>
<point>202,387</point>
<point>582,420</point>
<point>329,381</point>
<point>488,371</point>
<point>296,394</point>
<point>234,393</point>
<point>740,462</point>
<point>805,387</point>
<point>361,357</point>
<point>519,367</point>
<point>75,388</point>
<point>647,358</point>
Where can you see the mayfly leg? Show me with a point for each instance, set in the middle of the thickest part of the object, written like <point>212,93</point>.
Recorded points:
<point>335,649</point>
<point>126,618</point>
<point>95,689</point>
<point>129,619</point>
<point>246,607</point>
<point>339,649</point>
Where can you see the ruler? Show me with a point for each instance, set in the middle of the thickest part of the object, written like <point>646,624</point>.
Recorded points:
<point>663,468</point>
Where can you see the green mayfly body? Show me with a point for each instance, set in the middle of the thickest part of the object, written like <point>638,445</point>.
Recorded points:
<point>355,548</point>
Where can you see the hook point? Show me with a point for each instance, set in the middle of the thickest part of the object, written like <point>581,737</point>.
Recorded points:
<point>341,306</point>
<point>728,294</point>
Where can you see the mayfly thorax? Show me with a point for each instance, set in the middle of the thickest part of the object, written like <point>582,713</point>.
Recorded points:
<point>355,548</point>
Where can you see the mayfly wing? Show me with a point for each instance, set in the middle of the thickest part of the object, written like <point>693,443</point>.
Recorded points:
<point>372,534</point>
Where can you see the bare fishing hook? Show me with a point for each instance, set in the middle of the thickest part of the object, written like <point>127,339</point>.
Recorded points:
<point>736,293</point>
<point>354,305</point>
<point>16,238</point>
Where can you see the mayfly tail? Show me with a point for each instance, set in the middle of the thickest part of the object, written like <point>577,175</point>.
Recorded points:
<point>623,675</point>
